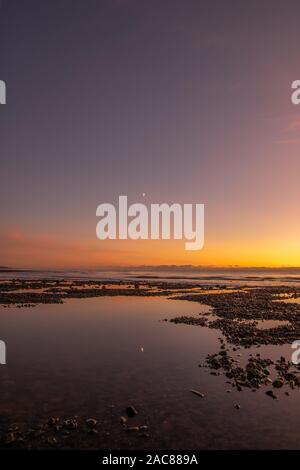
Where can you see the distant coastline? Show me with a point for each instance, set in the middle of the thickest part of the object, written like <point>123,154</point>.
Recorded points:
<point>180,274</point>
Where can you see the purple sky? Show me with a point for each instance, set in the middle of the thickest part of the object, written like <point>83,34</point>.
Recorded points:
<point>186,101</point>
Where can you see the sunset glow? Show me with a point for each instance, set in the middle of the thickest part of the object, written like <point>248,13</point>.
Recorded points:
<point>116,119</point>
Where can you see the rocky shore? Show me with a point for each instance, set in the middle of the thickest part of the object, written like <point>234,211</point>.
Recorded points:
<point>58,432</point>
<point>239,315</point>
<point>243,318</point>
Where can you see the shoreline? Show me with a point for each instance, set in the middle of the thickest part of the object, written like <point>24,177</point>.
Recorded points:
<point>246,318</point>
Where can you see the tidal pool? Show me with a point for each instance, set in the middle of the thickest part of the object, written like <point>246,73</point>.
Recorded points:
<point>94,357</point>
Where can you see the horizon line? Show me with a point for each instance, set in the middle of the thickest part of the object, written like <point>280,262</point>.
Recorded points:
<point>142,267</point>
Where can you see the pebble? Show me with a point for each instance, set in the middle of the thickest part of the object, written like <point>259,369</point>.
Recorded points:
<point>144,427</point>
<point>123,420</point>
<point>91,423</point>
<point>278,383</point>
<point>271,394</point>
<point>70,423</point>
<point>51,441</point>
<point>199,394</point>
<point>132,429</point>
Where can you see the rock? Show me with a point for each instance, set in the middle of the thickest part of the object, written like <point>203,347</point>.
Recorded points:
<point>52,421</point>
<point>278,383</point>
<point>91,423</point>
<point>70,423</point>
<point>237,406</point>
<point>123,420</point>
<point>144,427</point>
<point>14,428</point>
<point>271,394</point>
<point>131,411</point>
<point>10,438</point>
<point>132,429</point>
<point>199,394</point>
<point>51,441</point>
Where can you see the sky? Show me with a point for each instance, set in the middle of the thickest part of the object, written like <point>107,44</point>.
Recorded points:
<point>184,101</point>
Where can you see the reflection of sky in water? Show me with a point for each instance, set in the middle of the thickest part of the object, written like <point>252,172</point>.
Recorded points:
<point>89,354</point>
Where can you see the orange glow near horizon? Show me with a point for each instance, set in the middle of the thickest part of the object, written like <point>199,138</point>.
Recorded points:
<point>185,105</point>
<point>45,252</point>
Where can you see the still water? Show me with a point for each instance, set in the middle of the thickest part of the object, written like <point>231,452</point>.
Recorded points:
<point>94,357</point>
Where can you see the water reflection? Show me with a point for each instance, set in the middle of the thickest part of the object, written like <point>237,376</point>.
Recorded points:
<point>95,356</point>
